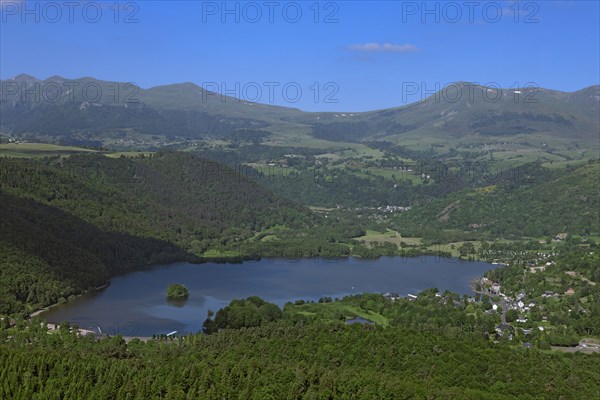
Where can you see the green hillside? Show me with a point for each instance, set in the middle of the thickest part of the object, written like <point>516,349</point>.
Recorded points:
<point>70,223</point>
<point>171,196</point>
<point>88,111</point>
<point>464,110</point>
<point>541,203</point>
<point>48,255</point>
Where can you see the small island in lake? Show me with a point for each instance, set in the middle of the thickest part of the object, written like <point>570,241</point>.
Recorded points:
<point>177,291</point>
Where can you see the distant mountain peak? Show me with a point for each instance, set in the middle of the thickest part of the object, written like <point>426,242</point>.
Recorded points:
<point>25,78</point>
<point>56,78</point>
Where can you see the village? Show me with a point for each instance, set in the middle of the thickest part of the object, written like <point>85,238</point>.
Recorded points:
<point>527,314</point>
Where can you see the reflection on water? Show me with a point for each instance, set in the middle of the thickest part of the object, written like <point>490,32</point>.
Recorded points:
<point>136,304</point>
<point>177,302</point>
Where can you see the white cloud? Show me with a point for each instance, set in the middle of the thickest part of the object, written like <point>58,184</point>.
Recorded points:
<point>383,48</point>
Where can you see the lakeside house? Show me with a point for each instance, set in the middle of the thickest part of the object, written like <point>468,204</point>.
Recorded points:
<point>391,296</point>
<point>495,288</point>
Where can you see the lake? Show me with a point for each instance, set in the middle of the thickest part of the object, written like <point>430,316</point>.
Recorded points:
<point>135,304</point>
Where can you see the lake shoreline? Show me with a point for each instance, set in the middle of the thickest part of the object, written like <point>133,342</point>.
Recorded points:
<point>40,311</point>
<point>242,260</point>
<point>138,300</point>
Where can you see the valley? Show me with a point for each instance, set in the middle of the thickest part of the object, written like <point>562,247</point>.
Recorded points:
<point>428,223</point>
<point>299,200</point>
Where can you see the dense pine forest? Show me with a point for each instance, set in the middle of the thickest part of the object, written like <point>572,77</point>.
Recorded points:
<point>286,360</point>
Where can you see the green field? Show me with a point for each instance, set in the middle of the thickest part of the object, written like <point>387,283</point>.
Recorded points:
<point>390,236</point>
<point>29,150</point>
<point>32,150</point>
<point>335,310</point>
<point>129,154</point>
<point>213,253</point>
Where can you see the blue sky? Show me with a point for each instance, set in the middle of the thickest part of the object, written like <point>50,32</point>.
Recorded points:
<point>348,56</point>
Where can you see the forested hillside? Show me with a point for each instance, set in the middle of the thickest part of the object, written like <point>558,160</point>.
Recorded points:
<point>48,254</point>
<point>291,361</point>
<point>542,203</point>
<point>68,224</point>
<point>170,196</point>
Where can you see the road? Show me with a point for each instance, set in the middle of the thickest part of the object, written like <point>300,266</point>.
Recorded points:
<point>502,303</point>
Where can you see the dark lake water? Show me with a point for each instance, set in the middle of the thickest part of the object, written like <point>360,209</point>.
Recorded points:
<point>135,304</point>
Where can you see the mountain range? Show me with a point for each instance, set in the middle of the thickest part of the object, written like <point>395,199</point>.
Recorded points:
<point>73,111</point>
